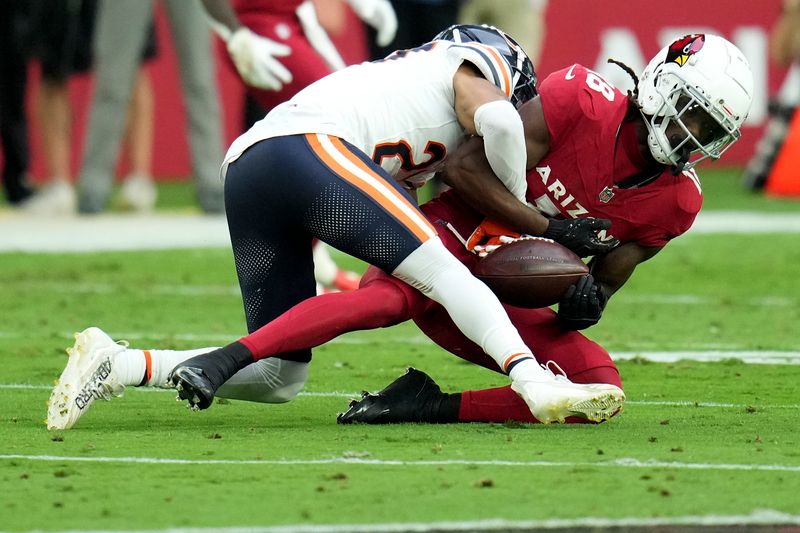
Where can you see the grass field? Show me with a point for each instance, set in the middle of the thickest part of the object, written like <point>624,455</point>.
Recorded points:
<point>712,443</point>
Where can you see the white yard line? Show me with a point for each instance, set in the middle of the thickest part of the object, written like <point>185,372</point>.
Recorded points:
<point>19,232</point>
<point>759,517</point>
<point>625,462</point>
<point>201,290</point>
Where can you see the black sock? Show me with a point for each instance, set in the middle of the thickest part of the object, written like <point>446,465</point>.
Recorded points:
<point>444,408</point>
<point>221,364</point>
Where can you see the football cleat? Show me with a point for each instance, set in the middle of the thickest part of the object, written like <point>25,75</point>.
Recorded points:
<point>193,386</point>
<point>88,376</point>
<point>556,399</point>
<point>198,378</point>
<point>413,397</point>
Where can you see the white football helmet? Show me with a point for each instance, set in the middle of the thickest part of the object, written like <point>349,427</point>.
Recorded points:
<point>694,95</point>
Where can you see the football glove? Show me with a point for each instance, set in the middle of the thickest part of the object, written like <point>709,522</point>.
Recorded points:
<point>582,305</point>
<point>255,59</point>
<point>380,15</point>
<point>580,235</point>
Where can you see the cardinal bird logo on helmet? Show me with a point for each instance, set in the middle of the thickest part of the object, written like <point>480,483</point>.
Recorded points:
<point>681,50</point>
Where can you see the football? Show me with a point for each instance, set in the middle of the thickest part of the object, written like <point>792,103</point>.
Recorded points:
<point>530,273</point>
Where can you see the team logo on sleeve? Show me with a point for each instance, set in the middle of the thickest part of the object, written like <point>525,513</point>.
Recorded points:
<point>681,50</point>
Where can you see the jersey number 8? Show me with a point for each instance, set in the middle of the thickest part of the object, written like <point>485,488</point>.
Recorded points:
<point>597,83</point>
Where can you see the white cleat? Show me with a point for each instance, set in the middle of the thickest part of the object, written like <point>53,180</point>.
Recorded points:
<point>559,398</point>
<point>89,375</point>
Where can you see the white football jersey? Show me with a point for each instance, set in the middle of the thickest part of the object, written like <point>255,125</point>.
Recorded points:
<point>399,111</point>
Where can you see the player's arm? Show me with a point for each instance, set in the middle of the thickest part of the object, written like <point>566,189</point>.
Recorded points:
<point>583,304</point>
<point>613,269</point>
<point>254,55</point>
<point>484,110</point>
<point>468,172</point>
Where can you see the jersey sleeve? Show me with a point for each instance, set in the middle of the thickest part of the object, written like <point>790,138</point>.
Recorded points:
<point>671,217</point>
<point>488,61</point>
<point>568,99</point>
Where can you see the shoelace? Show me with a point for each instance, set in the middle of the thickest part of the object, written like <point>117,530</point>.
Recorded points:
<point>560,376</point>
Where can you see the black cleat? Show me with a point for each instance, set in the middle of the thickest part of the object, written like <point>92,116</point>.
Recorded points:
<point>413,397</point>
<point>198,378</point>
<point>193,386</point>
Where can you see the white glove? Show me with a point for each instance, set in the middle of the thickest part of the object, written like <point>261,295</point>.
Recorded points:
<point>380,15</point>
<point>254,57</point>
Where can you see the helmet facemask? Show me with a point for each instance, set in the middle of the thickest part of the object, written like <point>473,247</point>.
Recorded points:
<point>687,128</point>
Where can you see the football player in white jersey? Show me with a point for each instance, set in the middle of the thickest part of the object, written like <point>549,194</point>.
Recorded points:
<point>336,162</point>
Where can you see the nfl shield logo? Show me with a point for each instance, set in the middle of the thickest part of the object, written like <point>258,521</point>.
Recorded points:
<point>606,195</point>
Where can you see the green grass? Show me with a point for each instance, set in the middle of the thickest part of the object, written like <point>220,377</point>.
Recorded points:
<point>722,189</point>
<point>732,421</point>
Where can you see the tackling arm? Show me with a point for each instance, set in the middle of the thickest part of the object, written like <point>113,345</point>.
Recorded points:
<point>469,173</point>
<point>483,109</point>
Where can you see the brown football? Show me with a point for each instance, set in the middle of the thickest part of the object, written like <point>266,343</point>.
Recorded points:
<point>530,273</point>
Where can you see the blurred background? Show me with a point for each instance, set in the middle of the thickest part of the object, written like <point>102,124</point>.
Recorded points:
<point>556,34</point>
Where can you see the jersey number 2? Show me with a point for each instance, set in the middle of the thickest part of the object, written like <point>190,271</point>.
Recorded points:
<point>402,150</point>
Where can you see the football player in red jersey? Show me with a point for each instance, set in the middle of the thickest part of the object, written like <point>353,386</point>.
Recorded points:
<point>278,47</point>
<point>594,152</point>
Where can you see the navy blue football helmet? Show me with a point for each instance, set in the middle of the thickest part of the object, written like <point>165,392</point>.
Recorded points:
<point>521,66</point>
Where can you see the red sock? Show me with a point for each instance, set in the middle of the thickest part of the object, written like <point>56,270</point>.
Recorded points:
<point>319,319</point>
<point>493,405</point>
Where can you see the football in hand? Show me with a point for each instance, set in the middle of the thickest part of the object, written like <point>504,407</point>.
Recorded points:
<point>530,273</point>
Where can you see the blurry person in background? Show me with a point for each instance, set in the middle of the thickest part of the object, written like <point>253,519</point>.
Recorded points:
<point>122,30</point>
<point>418,21</point>
<point>278,47</point>
<point>16,36</point>
<point>784,47</point>
<point>66,31</point>
<point>524,19</point>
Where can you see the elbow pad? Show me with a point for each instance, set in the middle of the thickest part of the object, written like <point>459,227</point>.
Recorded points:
<point>504,141</point>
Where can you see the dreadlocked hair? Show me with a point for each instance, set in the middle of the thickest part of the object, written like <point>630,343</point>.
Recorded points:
<point>629,71</point>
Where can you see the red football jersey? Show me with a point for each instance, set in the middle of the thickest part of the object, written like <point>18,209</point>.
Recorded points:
<point>576,178</point>
<point>277,20</point>
<point>273,7</point>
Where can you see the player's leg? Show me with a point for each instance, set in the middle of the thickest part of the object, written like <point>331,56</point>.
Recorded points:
<point>99,368</point>
<point>415,397</point>
<point>325,206</point>
<point>364,213</point>
<point>13,123</point>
